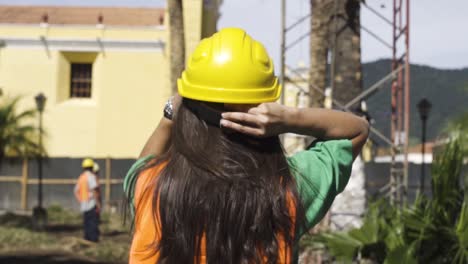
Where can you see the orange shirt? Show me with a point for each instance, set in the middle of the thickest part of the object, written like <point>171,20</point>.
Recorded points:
<point>148,228</point>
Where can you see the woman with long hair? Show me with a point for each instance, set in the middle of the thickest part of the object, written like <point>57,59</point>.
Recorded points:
<point>213,185</point>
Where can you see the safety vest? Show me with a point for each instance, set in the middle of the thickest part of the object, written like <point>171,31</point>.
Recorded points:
<point>82,189</point>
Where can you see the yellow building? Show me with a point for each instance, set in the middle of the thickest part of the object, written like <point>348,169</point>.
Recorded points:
<point>104,71</point>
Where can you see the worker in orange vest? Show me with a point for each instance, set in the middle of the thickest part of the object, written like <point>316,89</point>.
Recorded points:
<point>87,193</point>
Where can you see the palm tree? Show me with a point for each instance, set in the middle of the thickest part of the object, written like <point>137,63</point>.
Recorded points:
<point>177,41</point>
<point>17,135</point>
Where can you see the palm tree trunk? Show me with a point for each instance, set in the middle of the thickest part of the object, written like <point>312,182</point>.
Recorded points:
<point>176,40</point>
<point>319,47</point>
<point>348,77</point>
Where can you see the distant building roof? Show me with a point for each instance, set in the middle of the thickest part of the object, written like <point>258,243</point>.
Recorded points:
<point>65,15</point>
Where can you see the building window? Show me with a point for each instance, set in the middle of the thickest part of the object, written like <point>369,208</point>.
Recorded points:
<point>80,81</point>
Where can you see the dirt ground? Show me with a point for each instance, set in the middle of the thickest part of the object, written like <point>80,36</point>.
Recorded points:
<point>62,241</point>
<point>45,257</point>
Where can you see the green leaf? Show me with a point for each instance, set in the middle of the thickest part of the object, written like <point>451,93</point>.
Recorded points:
<point>461,232</point>
<point>341,245</point>
<point>401,255</point>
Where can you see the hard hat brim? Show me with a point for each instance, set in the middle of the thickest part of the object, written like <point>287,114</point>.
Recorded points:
<point>228,95</point>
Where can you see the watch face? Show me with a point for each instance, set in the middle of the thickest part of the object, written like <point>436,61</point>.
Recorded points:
<point>168,110</point>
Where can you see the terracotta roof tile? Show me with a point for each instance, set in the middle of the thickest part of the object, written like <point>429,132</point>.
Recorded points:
<point>61,15</point>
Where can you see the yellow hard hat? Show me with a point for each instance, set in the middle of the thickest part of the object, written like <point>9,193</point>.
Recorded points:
<point>87,163</point>
<point>230,67</point>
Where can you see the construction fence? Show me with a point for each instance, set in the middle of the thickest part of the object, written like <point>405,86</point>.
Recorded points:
<point>19,182</point>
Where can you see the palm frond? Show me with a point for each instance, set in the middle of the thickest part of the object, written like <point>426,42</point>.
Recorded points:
<point>17,136</point>
<point>341,245</point>
<point>401,255</point>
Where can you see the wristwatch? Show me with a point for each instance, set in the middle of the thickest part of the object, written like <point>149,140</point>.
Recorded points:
<point>168,109</point>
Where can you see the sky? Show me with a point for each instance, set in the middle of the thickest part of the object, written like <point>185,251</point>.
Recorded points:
<point>439,34</point>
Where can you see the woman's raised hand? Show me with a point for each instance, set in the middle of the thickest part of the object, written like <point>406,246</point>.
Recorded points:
<point>264,120</point>
<point>270,119</point>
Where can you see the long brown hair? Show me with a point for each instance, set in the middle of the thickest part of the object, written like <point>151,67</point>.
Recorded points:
<point>233,190</point>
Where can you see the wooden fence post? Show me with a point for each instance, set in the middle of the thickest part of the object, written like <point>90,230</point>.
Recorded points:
<point>108,183</point>
<point>24,185</point>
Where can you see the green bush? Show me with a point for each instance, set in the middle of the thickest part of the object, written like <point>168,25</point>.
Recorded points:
<point>432,230</point>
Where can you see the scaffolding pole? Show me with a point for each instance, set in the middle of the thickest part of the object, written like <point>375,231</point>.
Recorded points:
<point>400,102</point>
<point>283,48</point>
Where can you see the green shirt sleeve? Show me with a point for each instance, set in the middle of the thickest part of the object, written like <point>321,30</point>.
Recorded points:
<point>321,173</point>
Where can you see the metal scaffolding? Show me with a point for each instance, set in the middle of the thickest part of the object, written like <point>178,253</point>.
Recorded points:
<point>399,76</point>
